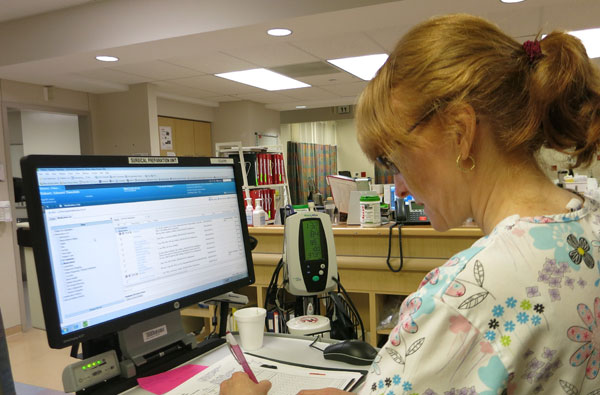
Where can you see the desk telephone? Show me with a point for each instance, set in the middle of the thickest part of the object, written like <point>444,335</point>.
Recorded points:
<point>409,212</point>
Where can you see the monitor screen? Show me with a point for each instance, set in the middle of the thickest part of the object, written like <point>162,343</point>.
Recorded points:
<point>119,240</point>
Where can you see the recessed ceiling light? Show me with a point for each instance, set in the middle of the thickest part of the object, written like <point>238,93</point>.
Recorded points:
<point>511,1</point>
<point>106,58</point>
<point>279,32</point>
<point>364,67</point>
<point>300,107</point>
<point>263,79</point>
<point>590,39</point>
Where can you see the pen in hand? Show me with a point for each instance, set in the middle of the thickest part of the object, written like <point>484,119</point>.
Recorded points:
<point>239,356</point>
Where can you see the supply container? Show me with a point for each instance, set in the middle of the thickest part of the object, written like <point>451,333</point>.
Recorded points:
<point>330,209</point>
<point>259,216</point>
<point>385,213</point>
<point>370,211</point>
<point>249,210</point>
<point>309,325</point>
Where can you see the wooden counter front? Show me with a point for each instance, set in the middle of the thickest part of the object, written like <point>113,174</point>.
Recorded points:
<point>361,258</point>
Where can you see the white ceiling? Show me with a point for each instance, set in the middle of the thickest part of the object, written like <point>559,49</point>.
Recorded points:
<point>178,44</point>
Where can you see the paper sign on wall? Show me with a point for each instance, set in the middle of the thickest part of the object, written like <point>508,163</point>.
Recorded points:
<point>5,214</point>
<point>166,137</point>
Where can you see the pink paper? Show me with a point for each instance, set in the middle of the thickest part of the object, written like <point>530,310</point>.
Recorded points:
<point>166,381</point>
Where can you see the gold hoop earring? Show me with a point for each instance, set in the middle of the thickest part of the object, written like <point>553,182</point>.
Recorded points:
<point>462,168</point>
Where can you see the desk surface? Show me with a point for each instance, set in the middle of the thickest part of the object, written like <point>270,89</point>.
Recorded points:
<point>282,347</point>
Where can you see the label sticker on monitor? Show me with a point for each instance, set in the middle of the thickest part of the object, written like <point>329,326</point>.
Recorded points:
<point>221,160</point>
<point>152,159</point>
<point>154,333</point>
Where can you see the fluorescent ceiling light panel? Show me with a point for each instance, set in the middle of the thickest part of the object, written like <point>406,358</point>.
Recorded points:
<point>590,39</point>
<point>263,79</point>
<point>364,67</point>
<point>106,58</point>
<point>279,32</point>
<point>511,1</point>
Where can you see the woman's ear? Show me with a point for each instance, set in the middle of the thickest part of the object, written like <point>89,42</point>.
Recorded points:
<point>464,128</point>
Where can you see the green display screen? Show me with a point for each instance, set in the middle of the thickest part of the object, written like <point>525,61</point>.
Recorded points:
<point>414,206</point>
<point>311,233</point>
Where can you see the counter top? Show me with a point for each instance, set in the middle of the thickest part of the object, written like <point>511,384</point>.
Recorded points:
<point>349,230</point>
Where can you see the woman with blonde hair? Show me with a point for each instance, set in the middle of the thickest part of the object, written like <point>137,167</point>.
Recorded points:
<point>459,113</point>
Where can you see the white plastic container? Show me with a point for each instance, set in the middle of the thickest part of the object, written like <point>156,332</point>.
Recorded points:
<point>370,211</point>
<point>330,209</point>
<point>309,324</point>
<point>259,216</point>
<point>249,210</point>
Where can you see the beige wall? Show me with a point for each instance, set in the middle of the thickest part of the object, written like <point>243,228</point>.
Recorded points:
<point>350,156</point>
<point>23,96</point>
<point>314,114</point>
<point>125,123</point>
<point>178,109</point>
<point>239,120</point>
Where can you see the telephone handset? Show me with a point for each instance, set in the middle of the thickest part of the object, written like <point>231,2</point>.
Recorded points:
<point>409,212</point>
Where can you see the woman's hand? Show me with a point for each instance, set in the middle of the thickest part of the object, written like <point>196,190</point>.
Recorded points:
<point>324,391</point>
<point>240,384</point>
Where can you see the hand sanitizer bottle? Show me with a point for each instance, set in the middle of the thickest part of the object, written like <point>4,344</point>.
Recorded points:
<point>259,216</point>
<point>249,211</point>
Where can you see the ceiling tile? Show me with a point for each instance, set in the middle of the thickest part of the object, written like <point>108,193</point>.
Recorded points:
<point>276,54</point>
<point>211,63</point>
<point>217,84</point>
<point>169,87</point>
<point>339,46</point>
<point>352,89</point>
<point>330,79</point>
<point>156,70</point>
<point>266,97</point>
<point>113,76</point>
<point>309,94</point>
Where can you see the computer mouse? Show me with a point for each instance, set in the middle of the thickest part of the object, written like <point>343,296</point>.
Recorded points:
<point>355,352</point>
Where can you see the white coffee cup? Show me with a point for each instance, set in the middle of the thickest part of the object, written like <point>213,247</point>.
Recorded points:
<point>251,325</point>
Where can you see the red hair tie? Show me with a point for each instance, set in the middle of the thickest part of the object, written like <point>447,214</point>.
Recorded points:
<point>533,50</point>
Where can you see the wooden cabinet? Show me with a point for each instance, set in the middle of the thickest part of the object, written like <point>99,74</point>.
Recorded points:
<point>189,138</point>
<point>361,258</point>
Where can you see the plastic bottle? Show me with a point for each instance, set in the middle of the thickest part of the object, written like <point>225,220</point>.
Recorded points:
<point>311,205</point>
<point>330,209</point>
<point>249,210</point>
<point>370,212</point>
<point>259,216</point>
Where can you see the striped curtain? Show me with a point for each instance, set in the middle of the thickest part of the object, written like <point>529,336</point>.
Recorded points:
<point>309,163</point>
<point>382,176</point>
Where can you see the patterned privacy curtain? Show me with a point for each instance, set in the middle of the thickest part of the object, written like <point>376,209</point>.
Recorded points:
<point>382,176</point>
<point>309,163</point>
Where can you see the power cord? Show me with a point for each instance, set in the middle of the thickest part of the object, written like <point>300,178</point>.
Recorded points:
<point>352,307</point>
<point>317,338</point>
<point>399,225</point>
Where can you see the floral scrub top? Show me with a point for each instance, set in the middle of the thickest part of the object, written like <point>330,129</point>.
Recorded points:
<point>517,313</point>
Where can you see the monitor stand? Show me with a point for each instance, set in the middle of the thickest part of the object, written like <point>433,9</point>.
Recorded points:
<point>148,348</point>
<point>154,338</point>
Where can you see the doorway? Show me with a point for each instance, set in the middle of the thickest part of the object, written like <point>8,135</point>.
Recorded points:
<point>37,132</point>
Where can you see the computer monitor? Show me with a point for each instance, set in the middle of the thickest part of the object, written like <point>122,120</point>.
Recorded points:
<point>119,240</point>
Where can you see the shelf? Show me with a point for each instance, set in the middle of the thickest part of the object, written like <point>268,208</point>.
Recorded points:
<point>265,186</point>
<point>277,162</point>
<point>246,149</point>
